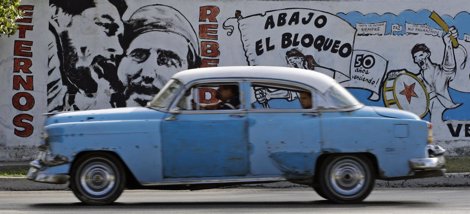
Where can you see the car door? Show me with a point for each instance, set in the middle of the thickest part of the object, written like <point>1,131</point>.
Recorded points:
<point>199,142</point>
<point>284,135</point>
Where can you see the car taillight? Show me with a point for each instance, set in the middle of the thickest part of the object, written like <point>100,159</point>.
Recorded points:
<point>430,138</point>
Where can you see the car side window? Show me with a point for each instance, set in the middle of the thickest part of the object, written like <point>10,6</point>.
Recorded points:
<point>211,96</point>
<point>334,98</point>
<point>272,96</point>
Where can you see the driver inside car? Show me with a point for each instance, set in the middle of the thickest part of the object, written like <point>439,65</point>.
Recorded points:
<point>305,99</point>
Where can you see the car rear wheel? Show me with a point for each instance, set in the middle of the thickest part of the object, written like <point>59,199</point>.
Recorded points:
<point>98,178</point>
<point>345,179</point>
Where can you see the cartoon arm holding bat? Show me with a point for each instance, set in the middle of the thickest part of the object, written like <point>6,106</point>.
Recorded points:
<point>448,60</point>
<point>451,35</point>
<point>450,42</point>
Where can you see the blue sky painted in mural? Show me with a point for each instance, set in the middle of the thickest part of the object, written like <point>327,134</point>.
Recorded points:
<point>416,17</point>
<point>408,16</point>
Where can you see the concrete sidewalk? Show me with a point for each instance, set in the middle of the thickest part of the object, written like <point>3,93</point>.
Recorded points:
<point>450,180</point>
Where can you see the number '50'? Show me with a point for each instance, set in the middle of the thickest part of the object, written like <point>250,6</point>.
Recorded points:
<point>366,61</point>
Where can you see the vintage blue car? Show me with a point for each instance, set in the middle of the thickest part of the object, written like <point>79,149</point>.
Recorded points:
<point>222,126</point>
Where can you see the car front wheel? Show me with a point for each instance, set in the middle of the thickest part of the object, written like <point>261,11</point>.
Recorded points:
<point>346,178</point>
<point>97,179</point>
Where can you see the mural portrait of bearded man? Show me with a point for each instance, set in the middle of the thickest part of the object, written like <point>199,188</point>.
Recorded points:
<point>82,57</point>
<point>159,42</point>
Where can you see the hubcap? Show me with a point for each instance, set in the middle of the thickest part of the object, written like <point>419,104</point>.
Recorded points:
<point>97,179</point>
<point>347,177</point>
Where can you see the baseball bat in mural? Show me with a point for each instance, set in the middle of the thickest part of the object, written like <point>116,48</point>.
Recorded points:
<point>438,19</point>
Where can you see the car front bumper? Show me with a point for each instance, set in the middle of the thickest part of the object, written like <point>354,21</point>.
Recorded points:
<point>49,169</point>
<point>37,175</point>
<point>431,163</point>
<point>428,167</point>
<point>432,166</point>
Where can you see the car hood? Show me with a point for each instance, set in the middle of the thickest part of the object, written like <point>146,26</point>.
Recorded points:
<point>130,113</point>
<point>394,113</point>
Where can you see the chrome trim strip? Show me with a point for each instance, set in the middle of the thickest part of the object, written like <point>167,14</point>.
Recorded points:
<point>353,108</point>
<point>211,180</point>
<point>213,111</point>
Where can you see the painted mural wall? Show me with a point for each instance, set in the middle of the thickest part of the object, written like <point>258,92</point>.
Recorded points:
<point>71,55</point>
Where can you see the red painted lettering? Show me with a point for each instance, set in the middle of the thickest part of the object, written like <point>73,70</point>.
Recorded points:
<point>208,31</point>
<point>27,13</point>
<point>28,103</point>
<point>23,121</point>
<point>22,65</point>
<point>209,62</point>
<point>208,13</point>
<point>207,95</point>
<point>210,49</point>
<point>22,30</point>
<point>23,48</point>
<point>25,84</point>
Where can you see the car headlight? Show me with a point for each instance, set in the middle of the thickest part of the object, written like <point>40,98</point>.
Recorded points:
<point>44,144</point>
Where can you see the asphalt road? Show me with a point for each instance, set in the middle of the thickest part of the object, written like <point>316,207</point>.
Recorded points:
<point>299,200</point>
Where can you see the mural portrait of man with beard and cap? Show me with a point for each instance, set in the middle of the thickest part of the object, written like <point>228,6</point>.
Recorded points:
<point>82,56</point>
<point>159,42</point>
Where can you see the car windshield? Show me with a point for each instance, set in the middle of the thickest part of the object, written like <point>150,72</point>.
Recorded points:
<point>164,98</point>
<point>337,97</point>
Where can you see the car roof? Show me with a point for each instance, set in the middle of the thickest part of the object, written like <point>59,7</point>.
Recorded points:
<point>315,79</point>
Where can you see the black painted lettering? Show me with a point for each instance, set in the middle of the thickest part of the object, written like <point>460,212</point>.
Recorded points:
<point>307,40</point>
<point>456,132</point>
<point>294,19</point>
<point>320,21</point>
<point>295,40</point>
<point>345,50</point>
<point>269,23</point>
<point>259,47</point>
<point>467,130</point>
<point>307,19</point>
<point>269,46</point>
<point>281,20</point>
<point>328,43</point>
<point>286,40</point>
<point>335,47</point>
<point>319,42</point>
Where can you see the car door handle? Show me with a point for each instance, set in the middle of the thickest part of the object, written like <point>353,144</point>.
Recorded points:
<point>310,114</point>
<point>237,115</point>
<point>171,118</point>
